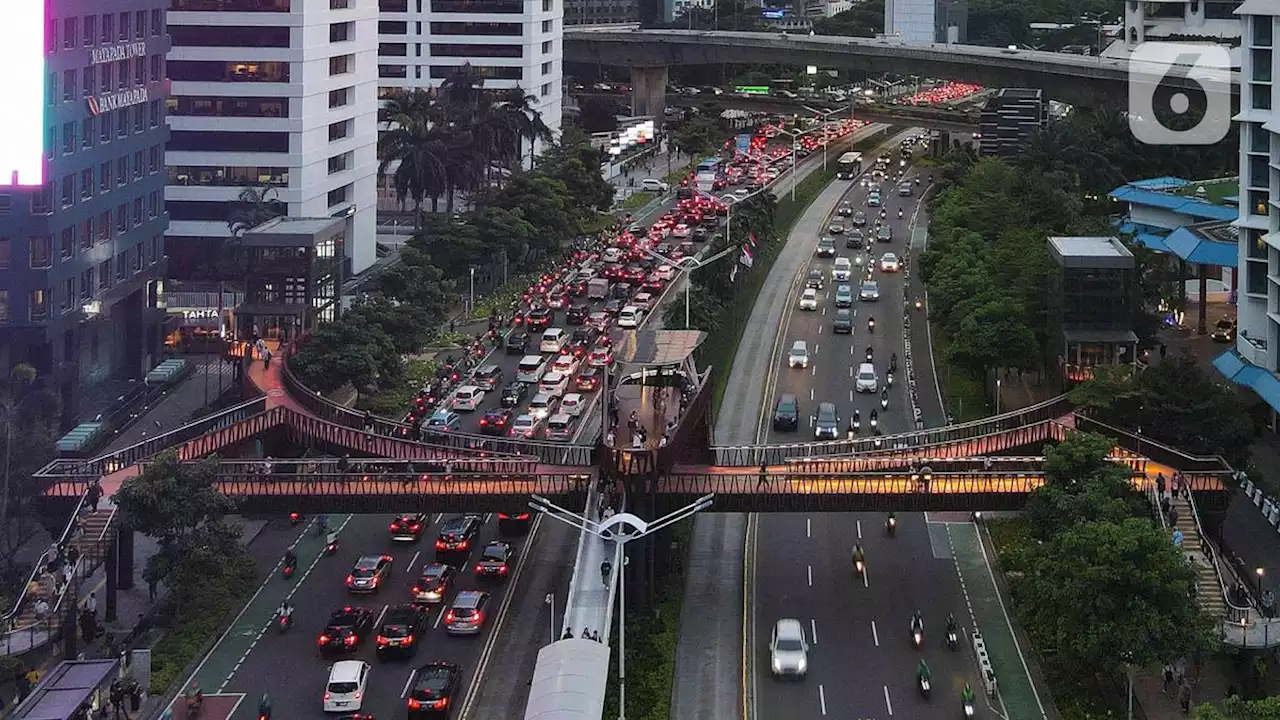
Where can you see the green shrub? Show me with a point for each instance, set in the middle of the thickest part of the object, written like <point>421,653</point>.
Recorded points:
<point>394,402</point>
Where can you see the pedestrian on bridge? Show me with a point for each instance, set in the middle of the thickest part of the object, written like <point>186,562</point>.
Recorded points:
<point>1160,484</point>
<point>764,476</point>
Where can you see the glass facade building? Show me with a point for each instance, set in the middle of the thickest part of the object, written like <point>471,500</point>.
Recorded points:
<point>1092,302</point>
<point>82,256</point>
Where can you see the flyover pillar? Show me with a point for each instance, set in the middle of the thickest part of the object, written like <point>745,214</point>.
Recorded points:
<point>649,91</point>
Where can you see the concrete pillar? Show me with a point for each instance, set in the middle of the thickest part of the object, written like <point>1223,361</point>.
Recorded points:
<point>649,91</point>
<point>112,570</point>
<point>124,560</point>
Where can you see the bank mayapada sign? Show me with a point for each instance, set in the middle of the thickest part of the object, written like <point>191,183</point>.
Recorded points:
<point>114,101</point>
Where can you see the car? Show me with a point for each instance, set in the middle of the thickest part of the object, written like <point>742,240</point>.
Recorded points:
<point>347,628</point>
<point>457,534</point>
<point>435,686</point>
<point>904,190</point>
<point>826,423</point>
<point>652,185</point>
<point>846,209</point>
<point>826,247</point>
<point>598,321</point>
<point>560,427</point>
<point>873,200</point>
<point>889,263</point>
<point>859,219</point>
<point>553,383</point>
<point>538,319</point>
<point>577,315</point>
<point>1224,331</point>
<point>407,527</point>
<point>853,239</point>
<point>867,381</point>
<point>799,355</point>
<point>588,380</point>
<point>654,282</point>
<point>809,299</point>
<point>525,426</point>
<point>844,296</point>
<point>541,404</point>
<point>514,393</point>
<point>442,421</point>
<point>467,614</point>
<point>345,690</point>
<point>495,560</point>
<point>565,364</point>
<point>786,413</point>
<point>682,231</point>
<point>836,227</point>
<point>612,308</point>
<point>434,583</point>
<point>403,626</point>
<point>612,255</point>
<point>842,322</point>
<point>814,279</point>
<point>788,651</point>
<point>601,355</point>
<point>514,523</point>
<point>630,317</point>
<point>841,269</point>
<point>467,398</point>
<point>368,573</point>
<point>666,272</point>
<point>884,234</point>
<point>497,421</point>
<point>487,377</point>
<point>643,300</point>
<point>870,291</point>
<point>573,404</point>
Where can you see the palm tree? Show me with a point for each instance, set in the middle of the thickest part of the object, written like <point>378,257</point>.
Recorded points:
<point>253,207</point>
<point>527,120</point>
<point>420,152</point>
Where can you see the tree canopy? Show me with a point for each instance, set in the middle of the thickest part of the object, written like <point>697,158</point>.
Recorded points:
<point>864,19</point>
<point>29,413</point>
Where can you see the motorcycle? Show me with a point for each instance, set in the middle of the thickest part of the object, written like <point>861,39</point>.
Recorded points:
<point>899,212</point>
<point>924,686</point>
<point>331,543</point>
<point>287,570</point>
<point>871,324</point>
<point>919,304</point>
<point>884,402</point>
<point>285,622</point>
<point>967,705</point>
<point>874,422</point>
<point>891,526</point>
<point>952,642</point>
<point>917,639</point>
<point>888,378</point>
<point>194,703</point>
<point>869,354</point>
<point>295,517</point>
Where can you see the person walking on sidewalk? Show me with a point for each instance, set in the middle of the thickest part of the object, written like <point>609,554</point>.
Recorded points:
<point>94,496</point>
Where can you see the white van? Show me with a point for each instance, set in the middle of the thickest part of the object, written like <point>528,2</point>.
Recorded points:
<point>841,269</point>
<point>468,397</point>
<point>345,690</point>
<point>530,369</point>
<point>630,317</point>
<point>553,340</point>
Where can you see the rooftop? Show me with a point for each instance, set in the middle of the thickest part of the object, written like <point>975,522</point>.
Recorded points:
<point>656,348</point>
<point>1090,247</point>
<point>1021,93</point>
<point>1200,200</point>
<point>295,226</point>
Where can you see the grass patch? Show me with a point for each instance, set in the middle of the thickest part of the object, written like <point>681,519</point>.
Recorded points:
<point>651,643</point>
<point>395,402</point>
<point>637,200</point>
<point>1077,693</point>
<point>194,617</point>
<point>965,395</point>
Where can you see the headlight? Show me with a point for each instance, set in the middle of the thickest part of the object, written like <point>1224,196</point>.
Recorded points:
<point>777,666</point>
<point>802,666</point>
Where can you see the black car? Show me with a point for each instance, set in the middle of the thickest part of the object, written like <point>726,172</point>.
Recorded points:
<point>577,315</point>
<point>700,234</point>
<point>853,240</point>
<point>786,413</point>
<point>434,687</point>
<point>814,280</point>
<point>539,319</point>
<point>613,307</point>
<point>403,626</point>
<point>516,342</point>
<point>497,421</point>
<point>346,630</point>
<point>457,534</point>
<point>843,322</point>
<point>513,394</point>
<point>408,526</point>
<point>433,584</point>
<point>516,523</point>
<point>495,561</point>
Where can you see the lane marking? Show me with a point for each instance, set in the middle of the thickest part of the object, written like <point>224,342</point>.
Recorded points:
<point>810,576</point>
<point>887,702</point>
<point>875,636</point>
<point>822,699</point>
<point>815,371</point>
<point>808,527</point>
<point>382,614</point>
<point>439,516</point>
<point>439,616</point>
<point>811,393</point>
<point>412,560</point>
<point>859,522</point>
<point>813,630</point>
<point>866,572</point>
<point>407,683</point>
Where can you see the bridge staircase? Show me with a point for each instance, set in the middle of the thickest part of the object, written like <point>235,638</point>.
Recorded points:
<point>1210,590</point>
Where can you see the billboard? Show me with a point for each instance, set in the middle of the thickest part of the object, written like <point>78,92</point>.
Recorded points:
<point>22,87</point>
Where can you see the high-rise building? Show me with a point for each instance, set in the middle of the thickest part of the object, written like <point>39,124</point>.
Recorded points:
<point>82,215</point>
<point>923,22</point>
<point>1258,292</point>
<point>601,12</point>
<point>510,43</point>
<point>1186,21</point>
<point>277,96</point>
<point>1009,119</point>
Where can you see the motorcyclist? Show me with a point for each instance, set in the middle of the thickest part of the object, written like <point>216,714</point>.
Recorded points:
<point>856,420</point>
<point>893,362</point>
<point>891,520</point>
<point>870,353</point>
<point>875,417</point>
<point>917,623</point>
<point>195,698</point>
<point>899,212</point>
<point>858,555</point>
<point>884,395</point>
<point>922,670</point>
<point>966,695</point>
<point>286,611</point>
<point>290,557</point>
<point>951,623</point>
<point>871,324</point>
<point>264,706</point>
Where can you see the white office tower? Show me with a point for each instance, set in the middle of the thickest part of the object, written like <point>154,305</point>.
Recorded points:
<point>510,43</point>
<point>1258,339</point>
<point>1185,21</point>
<point>279,95</point>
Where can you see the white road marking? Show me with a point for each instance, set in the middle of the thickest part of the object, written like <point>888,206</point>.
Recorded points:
<point>866,582</point>
<point>378,622</point>
<point>810,576</point>
<point>441,515</point>
<point>811,393</point>
<point>875,636</point>
<point>815,348</point>
<point>808,527</point>
<point>815,371</point>
<point>412,560</point>
<point>813,630</point>
<point>822,699</point>
<point>859,525</point>
<point>439,616</point>
<point>850,396</point>
<point>887,702</point>
<point>487,518</point>
<point>407,683</point>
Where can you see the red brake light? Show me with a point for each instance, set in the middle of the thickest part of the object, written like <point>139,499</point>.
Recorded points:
<point>408,640</point>
<point>448,617</point>
<point>324,639</point>
<point>414,704</point>
<point>503,569</point>
<point>327,696</point>
<point>479,617</point>
<point>349,640</point>
<point>440,704</point>
<point>464,545</point>
<point>440,545</point>
<point>393,527</point>
<point>382,640</point>
<point>416,590</point>
<point>350,581</point>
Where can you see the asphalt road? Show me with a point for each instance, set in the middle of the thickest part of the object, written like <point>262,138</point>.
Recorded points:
<point>802,561</point>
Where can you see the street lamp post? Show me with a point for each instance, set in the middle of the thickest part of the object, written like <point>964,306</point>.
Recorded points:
<point>619,529</point>
<point>1260,572</point>
<point>550,601</point>
<point>825,140</point>
<point>689,264</point>
<point>471,308</point>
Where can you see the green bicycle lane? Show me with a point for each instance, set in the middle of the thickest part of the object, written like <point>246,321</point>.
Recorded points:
<point>1012,675</point>
<point>221,663</point>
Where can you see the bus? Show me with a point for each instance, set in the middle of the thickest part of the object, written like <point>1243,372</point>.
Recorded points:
<point>707,172</point>
<point>850,165</point>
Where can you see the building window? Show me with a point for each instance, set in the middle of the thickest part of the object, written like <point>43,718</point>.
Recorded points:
<point>104,128</point>
<point>153,113</point>
<point>88,81</point>
<point>69,35</point>
<point>547,5</point>
<point>86,291</point>
<point>68,138</point>
<point>1256,278</point>
<point>122,170</point>
<point>227,176</point>
<point>108,29</point>
<point>280,6</point>
<point>546,89</point>
<point>104,177</point>
<point>338,163</point>
<point>68,297</point>
<point>342,64</point>
<point>86,183</point>
<point>340,4</point>
<point>90,34</point>
<point>477,28</point>
<point>478,7</point>
<point>138,167</point>
<point>139,118</point>
<point>137,257</point>
<point>393,49</point>
<point>51,91</point>
<point>104,226</point>
<point>442,72</point>
<point>51,39</point>
<point>392,27</point>
<point>40,251</point>
<point>137,212</point>
<point>156,61</point>
<point>157,242</point>
<point>50,142</point>
<point>546,46</point>
<point>42,201</point>
<point>340,32</point>
<point>140,25</point>
<point>153,160</point>
<point>338,130</point>
<point>38,305</point>
<point>67,243</point>
<point>122,123</point>
<point>546,68</point>
<point>393,71</point>
<point>86,233</point>
<point>122,219</point>
<point>477,50</point>
<point>230,36</point>
<point>337,196</point>
<point>157,22</point>
<point>1261,96</point>
<point>139,70</point>
<point>340,97</point>
<point>271,107</point>
<point>104,77</point>
<point>4,307</point>
<point>228,71</point>
<point>548,25</point>
<point>104,274</point>
<point>124,25</point>
<point>122,74</point>
<point>68,85</point>
<point>68,190</point>
<point>122,265</point>
<point>153,204</point>
<point>6,253</point>
<point>86,132</point>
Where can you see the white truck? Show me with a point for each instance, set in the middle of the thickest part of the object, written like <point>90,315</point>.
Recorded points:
<point>598,288</point>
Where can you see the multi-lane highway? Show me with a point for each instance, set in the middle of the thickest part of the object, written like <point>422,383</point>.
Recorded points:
<point>861,663</point>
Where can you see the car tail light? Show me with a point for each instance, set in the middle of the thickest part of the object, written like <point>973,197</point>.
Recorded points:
<point>440,545</point>
<point>503,569</point>
<point>349,640</point>
<point>478,617</point>
<point>416,590</point>
<point>393,527</point>
<point>327,696</point>
<point>350,581</point>
<point>484,421</point>
<point>479,568</point>
<point>324,639</point>
<point>448,617</point>
<point>414,704</point>
<point>374,581</point>
<point>358,694</point>
<point>440,704</point>
<point>408,640</point>
<point>382,640</point>
<point>464,544</point>
<point>415,526</point>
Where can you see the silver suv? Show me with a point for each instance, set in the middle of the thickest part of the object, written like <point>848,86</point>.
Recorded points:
<point>467,614</point>
<point>788,651</point>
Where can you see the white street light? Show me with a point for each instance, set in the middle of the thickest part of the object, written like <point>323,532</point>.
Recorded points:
<point>825,140</point>
<point>691,263</point>
<point>795,136</point>
<point>620,529</point>
<point>550,600</point>
<point>471,309</point>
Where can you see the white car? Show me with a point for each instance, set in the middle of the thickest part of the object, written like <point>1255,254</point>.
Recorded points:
<point>652,185</point>
<point>682,231</point>
<point>468,397</point>
<point>630,317</point>
<point>788,651</point>
<point>612,255</point>
<point>889,263</point>
<point>525,426</point>
<point>565,365</point>
<point>809,299</point>
<point>554,384</point>
<point>644,301</point>
<point>540,406</point>
<point>867,380</point>
<point>799,356</point>
<point>348,680</point>
<point>666,272</point>
<point>573,404</point>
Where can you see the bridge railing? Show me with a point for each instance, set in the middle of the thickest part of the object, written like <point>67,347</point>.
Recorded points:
<point>892,463</point>
<point>130,455</point>
<point>548,452</point>
<point>756,455</point>
<point>1155,451</point>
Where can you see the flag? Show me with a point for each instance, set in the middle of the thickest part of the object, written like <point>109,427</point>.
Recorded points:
<point>747,258</point>
<point>733,273</point>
